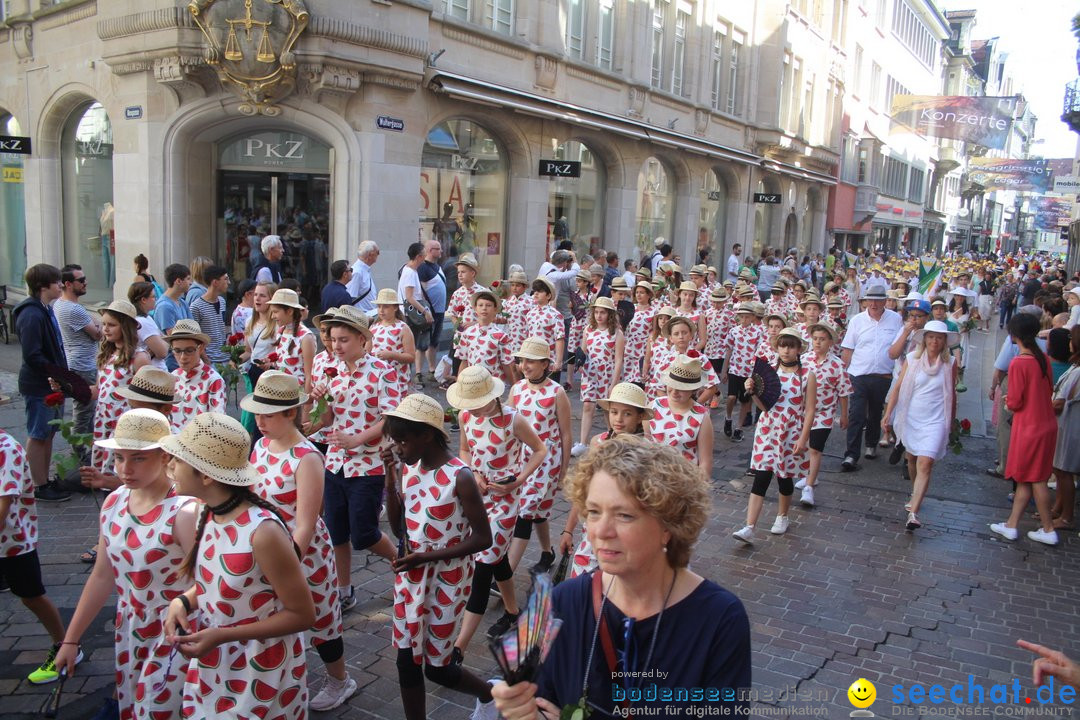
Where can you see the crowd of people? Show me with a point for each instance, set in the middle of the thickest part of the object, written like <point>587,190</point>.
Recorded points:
<point>229,541</point>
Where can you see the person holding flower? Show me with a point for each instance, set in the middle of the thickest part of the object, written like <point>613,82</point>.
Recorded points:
<point>391,339</point>
<point>199,387</point>
<point>117,359</point>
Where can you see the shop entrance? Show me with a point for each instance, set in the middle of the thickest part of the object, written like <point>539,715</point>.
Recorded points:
<point>275,183</point>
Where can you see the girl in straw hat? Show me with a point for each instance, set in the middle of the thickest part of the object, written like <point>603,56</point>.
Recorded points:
<point>782,435</point>
<point>680,335</point>
<point>603,343</point>
<point>290,471</point>
<point>774,323</point>
<point>833,390</point>
<point>250,592</point>
<point>742,343</point>
<point>459,309</point>
<point>433,504</point>
<point>517,307</point>
<point>678,420</point>
<point>484,343</point>
<point>544,404</point>
<point>117,361</point>
<point>719,319</point>
<point>811,308</point>
<point>637,332</point>
<point>689,309</point>
<point>294,350</point>
<point>199,387</point>
<point>965,317</point>
<point>145,530</point>
<point>546,323</point>
<point>391,339</point>
<point>657,337</point>
<point>580,299</point>
<point>493,441</point>
<point>260,337</point>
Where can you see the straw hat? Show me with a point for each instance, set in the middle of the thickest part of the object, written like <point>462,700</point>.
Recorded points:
<point>744,308</point>
<point>485,295</point>
<point>318,319</point>
<point>643,273</point>
<point>350,317</point>
<point>474,389</point>
<point>684,373</point>
<point>549,285</point>
<point>149,384</point>
<point>778,316</point>
<point>627,394</point>
<point>789,332</point>
<point>275,391</point>
<point>874,292</point>
<point>746,274</point>
<point>951,338</point>
<point>534,348</point>
<point>605,303</point>
<point>758,307</point>
<point>123,307</point>
<point>286,297</point>
<point>812,299</point>
<point>648,286</point>
<point>518,277</point>
<point>596,269</point>
<point>216,445</point>
<point>688,286</point>
<point>729,284</point>
<point>778,288</point>
<point>583,275</point>
<point>468,260</point>
<point>420,408</point>
<point>187,329</point>
<point>699,270</point>
<point>824,326</point>
<point>140,429</point>
<point>835,304</point>
<point>747,291</point>
<point>666,310</point>
<point>719,294</point>
<point>619,284</point>
<point>830,286</point>
<point>387,296</point>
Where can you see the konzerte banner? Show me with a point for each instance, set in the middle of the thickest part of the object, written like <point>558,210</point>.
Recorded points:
<point>981,120</point>
<point>1006,174</point>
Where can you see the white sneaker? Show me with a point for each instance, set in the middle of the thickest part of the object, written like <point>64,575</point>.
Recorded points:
<point>1006,532</point>
<point>347,601</point>
<point>486,711</point>
<point>807,498</point>
<point>746,535</point>
<point>333,694</point>
<point>800,485</point>
<point>780,526</point>
<point>1041,536</point>
<point>578,450</point>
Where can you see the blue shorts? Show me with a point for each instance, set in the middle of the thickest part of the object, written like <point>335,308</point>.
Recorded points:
<point>351,509</point>
<point>38,416</point>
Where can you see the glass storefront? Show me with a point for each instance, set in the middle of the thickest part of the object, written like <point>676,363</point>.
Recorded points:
<point>712,223</point>
<point>463,190</point>
<point>655,206</point>
<point>576,205</point>
<point>12,210</point>
<point>86,151</point>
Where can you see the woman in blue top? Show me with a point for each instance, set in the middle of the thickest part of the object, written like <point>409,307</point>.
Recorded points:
<point>666,635</point>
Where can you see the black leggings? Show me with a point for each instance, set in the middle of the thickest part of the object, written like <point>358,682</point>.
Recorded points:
<point>411,675</point>
<point>481,585</point>
<point>524,526</point>
<point>331,650</point>
<point>762,478</point>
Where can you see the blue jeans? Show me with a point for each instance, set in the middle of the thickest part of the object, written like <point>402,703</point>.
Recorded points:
<point>38,416</point>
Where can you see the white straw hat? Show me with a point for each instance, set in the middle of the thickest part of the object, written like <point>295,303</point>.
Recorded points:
<point>187,329</point>
<point>387,296</point>
<point>217,446</point>
<point>420,408</point>
<point>791,333</point>
<point>474,389</point>
<point>286,297</point>
<point>123,307</point>
<point>684,374</point>
<point>140,429</point>
<point>485,295</point>
<point>350,317</point>
<point>275,391</point>
<point>468,260</point>
<point>150,384</point>
<point>936,326</point>
<point>605,303</point>
<point>627,394</point>
<point>534,348</point>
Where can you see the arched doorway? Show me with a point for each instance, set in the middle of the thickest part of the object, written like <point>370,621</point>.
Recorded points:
<point>810,220</point>
<point>86,160</point>
<point>791,232</point>
<point>12,209</point>
<point>576,204</point>
<point>712,223</point>
<point>766,217</point>
<point>655,205</point>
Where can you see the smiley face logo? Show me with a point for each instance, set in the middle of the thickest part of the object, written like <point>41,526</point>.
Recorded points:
<point>862,693</point>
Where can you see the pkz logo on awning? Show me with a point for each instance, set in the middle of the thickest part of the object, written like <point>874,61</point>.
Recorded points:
<point>14,144</point>
<point>560,168</point>
<point>287,150</point>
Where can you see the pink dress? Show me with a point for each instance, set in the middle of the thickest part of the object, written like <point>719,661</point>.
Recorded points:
<point>290,354</point>
<point>599,372</point>
<point>277,485</point>
<point>831,383</point>
<point>637,337</point>
<point>680,430</point>
<point>255,678</point>
<point>495,454</point>
<point>391,338</point>
<point>110,407</point>
<point>146,566</point>
<point>429,600</point>
<point>537,404</point>
<point>778,429</point>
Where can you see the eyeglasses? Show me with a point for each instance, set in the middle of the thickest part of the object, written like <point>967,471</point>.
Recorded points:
<point>82,279</point>
<point>185,351</point>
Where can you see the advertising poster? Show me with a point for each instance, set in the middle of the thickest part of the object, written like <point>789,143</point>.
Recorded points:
<point>1007,174</point>
<point>981,120</point>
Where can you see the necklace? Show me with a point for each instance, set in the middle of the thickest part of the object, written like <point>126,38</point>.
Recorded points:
<point>228,506</point>
<point>789,364</point>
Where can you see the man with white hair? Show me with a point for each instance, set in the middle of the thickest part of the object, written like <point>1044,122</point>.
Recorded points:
<point>362,286</point>
<point>269,268</point>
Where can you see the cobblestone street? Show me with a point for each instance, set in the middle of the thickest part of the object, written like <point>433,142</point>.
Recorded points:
<point>846,594</point>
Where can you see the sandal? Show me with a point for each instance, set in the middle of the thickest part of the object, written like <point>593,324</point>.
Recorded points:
<point>1060,524</point>
<point>89,557</point>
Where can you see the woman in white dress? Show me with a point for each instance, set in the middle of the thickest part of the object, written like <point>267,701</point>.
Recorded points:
<point>921,408</point>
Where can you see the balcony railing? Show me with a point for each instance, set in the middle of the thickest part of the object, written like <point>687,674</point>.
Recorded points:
<point>1071,113</point>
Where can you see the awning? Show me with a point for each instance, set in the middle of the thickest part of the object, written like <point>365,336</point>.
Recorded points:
<point>498,95</point>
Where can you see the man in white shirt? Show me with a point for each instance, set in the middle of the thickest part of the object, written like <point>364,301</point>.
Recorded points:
<point>733,263</point>
<point>409,289</point>
<point>865,353</point>
<point>362,286</point>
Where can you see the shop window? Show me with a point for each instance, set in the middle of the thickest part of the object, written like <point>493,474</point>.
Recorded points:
<point>655,205</point>
<point>712,223</point>
<point>463,193</point>
<point>576,205</point>
<point>12,210</point>
<point>87,167</point>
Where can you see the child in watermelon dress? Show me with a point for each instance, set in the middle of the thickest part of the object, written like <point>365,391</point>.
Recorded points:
<point>680,421</point>
<point>291,478</point>
<point>603,343</point>
<point>434,506</point>
<point>146,529</point>
<point>117,360</point>
<point>391,339</point>
<point>294,350</point>
<point>486,343</point>
<point>494,438</point>
<point>637,332</point>
<point>246,643</point>
<point>546,323</point>
<point>544,404</point>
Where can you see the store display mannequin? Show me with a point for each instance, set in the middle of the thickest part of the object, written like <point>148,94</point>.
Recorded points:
<point>108,243</point>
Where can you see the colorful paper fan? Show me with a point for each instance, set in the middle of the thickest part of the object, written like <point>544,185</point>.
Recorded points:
<point>766,383</point>
<point>561,570</point>
<point>521,650</point>
<point>71,383</point>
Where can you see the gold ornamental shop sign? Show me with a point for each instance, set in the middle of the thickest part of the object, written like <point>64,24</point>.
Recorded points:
<point>251,44</point>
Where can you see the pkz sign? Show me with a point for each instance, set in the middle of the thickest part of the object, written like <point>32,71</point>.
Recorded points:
<point>560,168</point>
<point>767,198</point>
<point>14,144</point>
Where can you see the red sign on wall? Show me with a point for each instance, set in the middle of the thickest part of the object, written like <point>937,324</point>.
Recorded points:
<point>494,240</point>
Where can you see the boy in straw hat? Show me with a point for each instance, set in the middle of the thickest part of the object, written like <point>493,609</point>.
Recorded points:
<point>833,390</point>
<point>542,402</point>
<point>742,343</point>
<point>324,359</point>
<point>494,437</point>
<point>485,343</point>
<point>603,343</point>
<point>719,319</point>
<point>680,421</point>
<point>434,506</point>
<point>546,322</point>
<point>637,332</point>
<point>459,309</point>
<point>253,601</point>
<point>147,529</point>
<point>517,307</point>
<point>199,387</point>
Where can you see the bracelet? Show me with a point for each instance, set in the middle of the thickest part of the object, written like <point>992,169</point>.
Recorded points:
<point>185,602</point>
<point>567,532</point>
<point>68,642</point>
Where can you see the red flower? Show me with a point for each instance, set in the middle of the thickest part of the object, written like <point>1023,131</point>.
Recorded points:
<point>965,425</point>
<point>235,339</point>
<point>272,358</point>
<point>495,285</point>
<point>54,399</point>
<point>330,372</point>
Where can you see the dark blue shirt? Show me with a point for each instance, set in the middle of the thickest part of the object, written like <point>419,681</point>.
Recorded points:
<point>703,643</point>
<point>42,345</point>
<point>335,295</point>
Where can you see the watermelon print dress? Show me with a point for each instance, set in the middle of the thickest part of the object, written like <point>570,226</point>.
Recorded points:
<point>110,407</point>
<point>146,564</point>
<point>599,372</point>
<point>778,429</point>
<point>252,679</point>
<point>390,337</point>
<point>199,391</point>
<point>290,354</point>
<point>487,346</point>
<point>277,485</point>
<point>546,323</point>
<point>517,309</point>
<point>429,600</point>
<point>637,337</point>
<point>680,430</point>
<point>495,454</point>
<point>19,534</point>
<point>537,404</point>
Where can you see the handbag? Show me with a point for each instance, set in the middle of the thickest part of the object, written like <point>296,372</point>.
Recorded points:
<point>415,318</point>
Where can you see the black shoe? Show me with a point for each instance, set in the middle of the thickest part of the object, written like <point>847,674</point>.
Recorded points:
<point>727,427</point>
<point>995,473</point>
<point>49,492</point>
<point>456,656</point>
<point>501,625</point>
<point>736,435</point>
<point>454,426</point>
<point>849,464</point>
<point>897,453</point>
<point>748,421</point>
<point>547,559</point>
<point>4,584</point>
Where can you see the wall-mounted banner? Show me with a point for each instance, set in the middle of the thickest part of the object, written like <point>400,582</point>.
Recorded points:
<point>981,120</point>
<point>1067,185</point>
<point>1052,214</point>
<point>1006,174</point>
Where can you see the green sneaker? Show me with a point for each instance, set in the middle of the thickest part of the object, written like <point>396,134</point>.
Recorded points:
<point>47,672</point>
<point>961,387</point>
